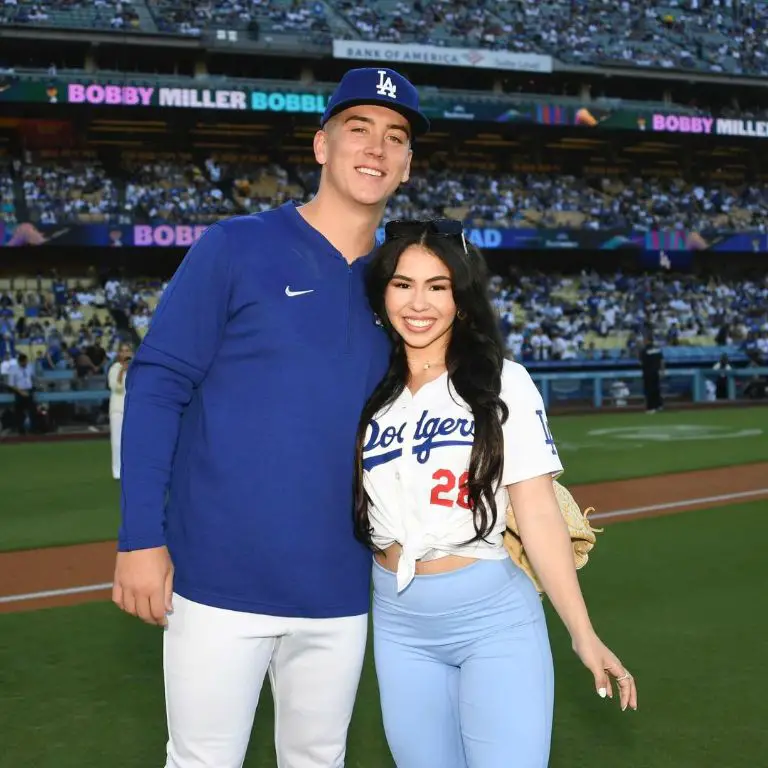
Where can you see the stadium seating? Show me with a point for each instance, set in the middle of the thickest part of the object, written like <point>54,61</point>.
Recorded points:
<point>289,18</point>
<point>145,187</point>
<point>117,15</point>
<point>547,318</point>
<point>67,189</point>
<point>603,317</point>
<point>665,34</point>
<point>436,23</point>
<point>577,334</point>
<point>156,188</point>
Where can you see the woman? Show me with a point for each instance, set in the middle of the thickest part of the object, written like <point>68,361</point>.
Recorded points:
<point>452,434</point>
<point>116,382</point>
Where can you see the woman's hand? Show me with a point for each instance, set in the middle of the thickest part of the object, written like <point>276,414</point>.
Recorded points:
<point>603,664</point>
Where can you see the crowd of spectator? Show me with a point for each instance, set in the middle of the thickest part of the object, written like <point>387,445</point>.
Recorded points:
<point>551,317</point>
<point>99,14</point>
<point>68,190</point>
<point>255,186</point>
<point>76,329</point>
<point>275,16</point>
<point>550,201</point>
<point>172,191</point>
<point>67,334</point>
<point>649,203</point>
<point>708,35</point>
<point>473,25</point>
<point>64,326</point>
<point>178,189</point>
<point>544,316</point>
<point>712,35</point>
<point>56,337</point>
<point>145,188</point>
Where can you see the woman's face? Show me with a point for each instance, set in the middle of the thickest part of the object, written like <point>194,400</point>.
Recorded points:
<point>124,352</point>
<point>419,299</point>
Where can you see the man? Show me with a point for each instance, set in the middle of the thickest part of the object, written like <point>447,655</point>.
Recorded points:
<point>9,362</point>
<point>652,363</point>
<point>242,405</point>
<point>97,355</point>
<point>721,383</point>
<point>21,381</point>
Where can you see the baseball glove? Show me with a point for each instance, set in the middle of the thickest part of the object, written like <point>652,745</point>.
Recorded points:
<point>582,533</point>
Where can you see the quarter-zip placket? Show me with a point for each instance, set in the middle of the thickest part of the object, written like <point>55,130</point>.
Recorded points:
<point>350,277</point>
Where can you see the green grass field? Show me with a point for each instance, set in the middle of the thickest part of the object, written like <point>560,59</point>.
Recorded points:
<point>678,598</point>
<point>62,493</point>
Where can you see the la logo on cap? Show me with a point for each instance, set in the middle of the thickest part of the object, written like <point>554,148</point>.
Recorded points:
<point>386,87</point>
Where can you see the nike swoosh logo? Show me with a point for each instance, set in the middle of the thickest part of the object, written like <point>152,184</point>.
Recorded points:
<point>289,292</point>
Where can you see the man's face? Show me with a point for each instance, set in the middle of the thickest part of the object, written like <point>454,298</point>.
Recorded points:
<point>365,152</point>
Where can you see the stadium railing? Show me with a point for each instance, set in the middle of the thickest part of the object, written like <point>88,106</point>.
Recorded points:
<point>559,387</point>
<point>688,384</point>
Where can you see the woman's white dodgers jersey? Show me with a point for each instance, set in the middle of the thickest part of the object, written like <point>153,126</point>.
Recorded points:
<point>415,461</point>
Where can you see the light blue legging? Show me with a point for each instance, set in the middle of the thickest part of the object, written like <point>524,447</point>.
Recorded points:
<point>464,668</point>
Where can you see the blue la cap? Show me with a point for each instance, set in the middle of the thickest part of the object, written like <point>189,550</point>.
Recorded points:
<point>381,86</point>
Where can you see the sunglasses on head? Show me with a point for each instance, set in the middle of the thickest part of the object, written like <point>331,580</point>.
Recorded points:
<point>413,229</point>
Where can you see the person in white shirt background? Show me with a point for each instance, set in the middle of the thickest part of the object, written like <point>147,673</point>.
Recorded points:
<point>451,435</point>
<point>116,382</point>
<point>7,364</point>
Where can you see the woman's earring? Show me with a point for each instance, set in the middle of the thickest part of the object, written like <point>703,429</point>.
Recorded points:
<point>461,314</point>
<point>377,320</point>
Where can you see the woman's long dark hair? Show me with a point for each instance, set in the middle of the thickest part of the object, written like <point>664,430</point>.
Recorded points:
<point>474,360</point>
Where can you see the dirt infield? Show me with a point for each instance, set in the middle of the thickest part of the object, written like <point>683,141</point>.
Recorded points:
<point>25,574</point>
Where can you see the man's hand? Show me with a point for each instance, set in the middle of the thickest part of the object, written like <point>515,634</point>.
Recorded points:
<point>143,584</point>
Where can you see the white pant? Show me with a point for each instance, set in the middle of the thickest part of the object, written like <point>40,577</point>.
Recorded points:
<point>214,663</point>
<point>115,430</point>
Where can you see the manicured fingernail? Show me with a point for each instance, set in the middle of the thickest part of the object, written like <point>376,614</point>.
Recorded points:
<point>602,693</point>
<point>623,709</point>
